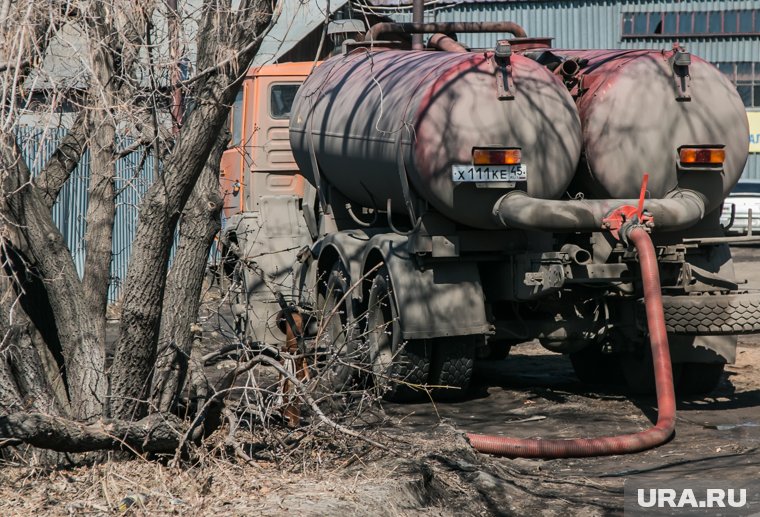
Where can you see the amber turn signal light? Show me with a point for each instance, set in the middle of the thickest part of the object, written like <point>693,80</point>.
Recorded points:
<point>496,156</point>
<point>701,155</point>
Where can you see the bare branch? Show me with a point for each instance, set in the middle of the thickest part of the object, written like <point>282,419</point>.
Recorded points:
<point>63,161</point>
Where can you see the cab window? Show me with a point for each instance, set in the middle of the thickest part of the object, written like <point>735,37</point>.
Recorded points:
<point>236,120</point>
<point>281,99</point>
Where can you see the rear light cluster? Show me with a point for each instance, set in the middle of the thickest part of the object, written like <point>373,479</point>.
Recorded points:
<point>701,156</point>
<point>490,156</point>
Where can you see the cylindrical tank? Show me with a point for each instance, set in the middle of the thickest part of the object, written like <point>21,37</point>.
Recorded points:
<point>366,112</point>
<point>636,114</point>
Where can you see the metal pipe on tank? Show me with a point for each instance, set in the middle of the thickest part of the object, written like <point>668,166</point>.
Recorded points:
<point>418,16</point>
<point>681,209</point>
<point>446,43</point>
<point>428,28</point>
<point>577,254</point>
<point>569,68</point>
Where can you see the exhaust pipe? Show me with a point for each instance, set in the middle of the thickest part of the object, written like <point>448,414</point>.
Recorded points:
<point>681,209</point>
<point>666,404</point>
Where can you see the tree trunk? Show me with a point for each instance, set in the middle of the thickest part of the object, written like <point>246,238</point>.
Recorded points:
<point>64,160</point>
<point>101,206</point>
<point>156,433</point>
<point>31,229</point>
<point>160,208</point>
<point>10,398</point>
<point>24,383</point>
<point>199,224</point>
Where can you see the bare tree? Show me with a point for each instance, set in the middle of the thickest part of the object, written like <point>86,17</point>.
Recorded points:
<point>127,85</point>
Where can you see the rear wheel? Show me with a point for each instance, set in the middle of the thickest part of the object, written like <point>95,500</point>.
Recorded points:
<point>338,332</point>
<point>689,378</point>
<point>453,365</point>
<point>399,369</point>
<point>592,366</point>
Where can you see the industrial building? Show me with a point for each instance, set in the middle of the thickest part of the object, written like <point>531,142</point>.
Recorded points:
<point>724,32</point>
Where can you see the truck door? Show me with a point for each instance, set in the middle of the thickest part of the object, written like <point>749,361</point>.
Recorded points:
<point>234,159</point>
<point>273,170</point>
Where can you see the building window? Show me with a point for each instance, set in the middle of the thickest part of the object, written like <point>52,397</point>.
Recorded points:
<point>746,76</point>
<point>699,23</point>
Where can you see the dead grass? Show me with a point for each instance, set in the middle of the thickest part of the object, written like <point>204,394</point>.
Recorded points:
<point>320,482</point>
<point>141,487</point>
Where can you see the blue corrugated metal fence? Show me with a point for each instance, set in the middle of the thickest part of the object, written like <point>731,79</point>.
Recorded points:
<point>134,174</point>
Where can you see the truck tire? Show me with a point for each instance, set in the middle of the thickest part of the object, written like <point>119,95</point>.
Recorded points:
<point>689,378</point>
<point>712,314</point>
<point>338,326</point>
<point>699,378</point>
<point>453,365</point>
<point>399,369</point>
<point>591,366</point>
<point>499,350</point>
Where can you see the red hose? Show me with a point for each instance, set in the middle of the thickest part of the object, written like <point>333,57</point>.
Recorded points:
<point>625,444</point>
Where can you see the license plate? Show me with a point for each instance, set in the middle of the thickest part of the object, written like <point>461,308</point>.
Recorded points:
<point>488,173</point>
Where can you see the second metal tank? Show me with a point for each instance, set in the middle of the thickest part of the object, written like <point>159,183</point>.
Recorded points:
<point>640,108</point>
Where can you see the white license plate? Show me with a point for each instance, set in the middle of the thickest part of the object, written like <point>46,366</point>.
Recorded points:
<point>488,173</point>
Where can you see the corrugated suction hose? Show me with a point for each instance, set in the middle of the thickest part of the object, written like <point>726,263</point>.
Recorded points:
<point>625,444</point>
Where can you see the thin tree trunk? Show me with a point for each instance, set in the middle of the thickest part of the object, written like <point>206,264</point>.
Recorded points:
<point>64,160</point>
<point>101,209</point>
<point>199,224</point>
<point>160,208</point>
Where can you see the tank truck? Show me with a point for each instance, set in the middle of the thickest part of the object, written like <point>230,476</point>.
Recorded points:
<point>428,207</point>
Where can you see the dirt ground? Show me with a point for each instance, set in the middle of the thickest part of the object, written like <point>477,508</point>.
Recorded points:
<point>431,470</point>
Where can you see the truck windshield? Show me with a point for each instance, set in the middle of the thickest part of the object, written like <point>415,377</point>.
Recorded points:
<point>281,99</point>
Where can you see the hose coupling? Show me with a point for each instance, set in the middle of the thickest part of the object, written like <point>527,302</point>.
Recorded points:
<point>622,220</point>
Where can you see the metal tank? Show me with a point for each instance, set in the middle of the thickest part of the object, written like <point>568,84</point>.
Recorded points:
<point>376,118</point>
<point>638,108</point>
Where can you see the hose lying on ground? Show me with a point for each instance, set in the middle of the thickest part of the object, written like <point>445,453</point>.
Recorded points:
<point>625,444</point>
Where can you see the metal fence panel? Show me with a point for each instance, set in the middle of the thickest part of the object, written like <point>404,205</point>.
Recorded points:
<point>134,174</point>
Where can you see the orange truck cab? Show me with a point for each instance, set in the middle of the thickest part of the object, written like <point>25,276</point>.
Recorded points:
<point>263,192</point>
<point>258,161</point>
